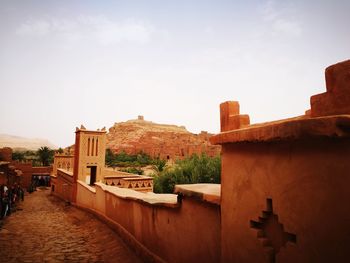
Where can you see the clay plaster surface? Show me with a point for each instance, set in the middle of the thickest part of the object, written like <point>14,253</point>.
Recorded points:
<point>148,197</point>
<point>92,189</point>
<point>295,128</point>
<point>205,192</point>
<point>70,173</point>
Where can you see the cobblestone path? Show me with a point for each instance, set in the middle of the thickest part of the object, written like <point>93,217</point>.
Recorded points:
<point>48,230</point>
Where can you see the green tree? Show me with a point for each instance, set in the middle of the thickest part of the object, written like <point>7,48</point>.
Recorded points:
<point>60,150</point>
<point>45,155</point>
<point>19,156</point>
<point>110,156</point>
<point>192,170</point>
<point>159,165</point>
<point>123,159</point>
<point>165,182</point>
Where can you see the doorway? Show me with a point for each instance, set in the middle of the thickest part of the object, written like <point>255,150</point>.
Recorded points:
<point>93,170</point>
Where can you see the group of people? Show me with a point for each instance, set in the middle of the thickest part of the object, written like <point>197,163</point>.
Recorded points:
<point>9,197</point>
<point>41,180</point>
<point>38,181</point>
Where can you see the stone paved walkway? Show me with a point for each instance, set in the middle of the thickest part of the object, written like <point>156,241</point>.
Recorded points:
<point>48,230</point>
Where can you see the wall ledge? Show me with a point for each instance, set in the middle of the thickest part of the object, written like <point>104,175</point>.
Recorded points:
<point>210,193</point>
<point>290,129</point>
<point>150,198</point>
<point>66,172</point>
<point>90,188</point>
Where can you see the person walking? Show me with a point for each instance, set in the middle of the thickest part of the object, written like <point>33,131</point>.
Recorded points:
<point>21,193</point>
<point>5,204</point>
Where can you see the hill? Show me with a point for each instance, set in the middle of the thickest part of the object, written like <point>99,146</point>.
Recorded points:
<point>158,140</point>
<point>22,143</point>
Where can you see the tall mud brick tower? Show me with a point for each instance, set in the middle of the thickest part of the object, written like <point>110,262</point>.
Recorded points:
<point>285,185</point>
<point>89,159</point>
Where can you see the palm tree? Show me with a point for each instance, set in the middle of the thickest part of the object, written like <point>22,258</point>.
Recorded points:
<point>159,165</point>
<point>45,155</point>
<point>20,156</point>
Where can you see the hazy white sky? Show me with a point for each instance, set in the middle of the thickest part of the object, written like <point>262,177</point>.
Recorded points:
<point>63,63</point>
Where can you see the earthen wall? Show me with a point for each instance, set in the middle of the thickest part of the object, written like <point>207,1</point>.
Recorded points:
<point>189,232</point>
<point>6,154</point>
<point>62,185</point>
<point>27,171</point>
<point>306,182</point>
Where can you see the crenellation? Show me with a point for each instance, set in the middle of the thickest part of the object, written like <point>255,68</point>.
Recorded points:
<point>336,100</point>
<point>230,117</point>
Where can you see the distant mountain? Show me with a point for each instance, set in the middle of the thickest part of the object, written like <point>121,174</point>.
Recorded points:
<point>22,143</point>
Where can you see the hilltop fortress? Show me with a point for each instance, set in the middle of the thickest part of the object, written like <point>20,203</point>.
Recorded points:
<point>164,141</point>
<point>158,140</point>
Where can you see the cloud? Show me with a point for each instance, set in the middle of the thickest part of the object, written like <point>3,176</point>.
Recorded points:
<point>34,28</point>
<point>107,32</point>
<point>99,29</point>
<point>289,27</point>
<point>281,20</point>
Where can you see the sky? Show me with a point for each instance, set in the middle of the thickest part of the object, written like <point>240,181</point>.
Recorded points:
<point>65,63</point>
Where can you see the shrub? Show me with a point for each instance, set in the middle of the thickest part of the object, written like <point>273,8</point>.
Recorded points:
<point>192,170</point>
<point>132,170</point>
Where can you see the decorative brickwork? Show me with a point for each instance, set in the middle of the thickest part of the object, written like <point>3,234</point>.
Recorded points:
<point>271,232</point>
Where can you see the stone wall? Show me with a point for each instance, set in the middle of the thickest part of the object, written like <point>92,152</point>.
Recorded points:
<point>63,161</point>
<point>42,170</point>
<point>156,225</point>
<point>6,154</point>
<point>62,184</point>
<point>306,181</point>
<point>26,168</point>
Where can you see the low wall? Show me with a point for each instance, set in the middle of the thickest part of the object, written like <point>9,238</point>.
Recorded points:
<point>86,197</point>
<point>42,170</point>
<point>62,185</point>
<point>115,172</point>
<point>175,232</point>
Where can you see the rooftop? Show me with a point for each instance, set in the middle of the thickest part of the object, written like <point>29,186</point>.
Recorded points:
<point>294,128</point>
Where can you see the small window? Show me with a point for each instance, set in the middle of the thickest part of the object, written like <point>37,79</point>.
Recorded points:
<point>96,147</point>
<point>92,147</point>
<point>88,151</point>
